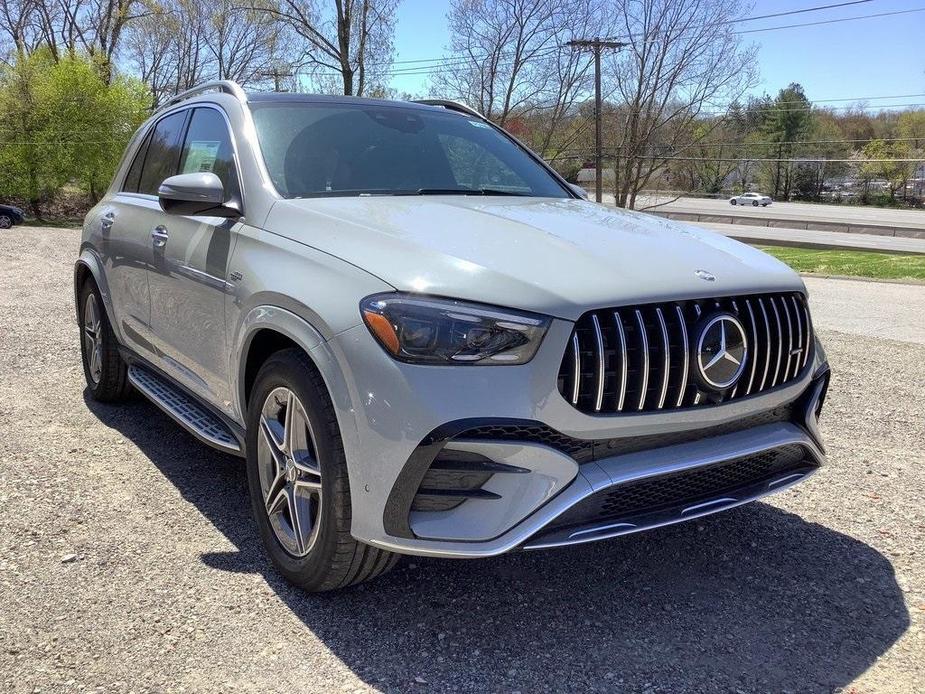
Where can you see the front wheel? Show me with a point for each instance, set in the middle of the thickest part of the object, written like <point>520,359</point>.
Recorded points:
<point>755,204</point>
<point>732,202</point>
<point>297,477</point>
<point>5,221</point>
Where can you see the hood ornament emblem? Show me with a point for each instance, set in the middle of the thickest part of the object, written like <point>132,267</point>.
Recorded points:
<point>706,276</point>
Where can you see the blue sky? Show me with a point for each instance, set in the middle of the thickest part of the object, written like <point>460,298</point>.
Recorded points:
<point>879,56</point>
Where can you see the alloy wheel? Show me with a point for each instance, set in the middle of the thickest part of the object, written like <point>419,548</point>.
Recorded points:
<point>290,474</point>
<point>93,338</point>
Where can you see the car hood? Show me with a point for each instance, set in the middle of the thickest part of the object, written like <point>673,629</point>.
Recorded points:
<point>561,257</point>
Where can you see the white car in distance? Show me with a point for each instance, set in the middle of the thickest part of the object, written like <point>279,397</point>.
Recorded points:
<point>753,199</point>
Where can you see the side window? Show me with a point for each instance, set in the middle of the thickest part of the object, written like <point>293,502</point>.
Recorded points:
<point>163,153</point>
<point>133,177</point>
<point>207,148</point>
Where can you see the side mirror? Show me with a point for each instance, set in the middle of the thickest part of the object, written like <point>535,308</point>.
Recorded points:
<point>578,190</point>
<point>196,194</point>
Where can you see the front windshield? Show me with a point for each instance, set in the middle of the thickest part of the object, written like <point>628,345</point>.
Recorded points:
<point>327,149</point>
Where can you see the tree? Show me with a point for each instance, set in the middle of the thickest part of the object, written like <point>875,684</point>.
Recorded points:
<point>62,123</point>
<point>887,161</point>
<point>683,60</point>
<point>351,39</point>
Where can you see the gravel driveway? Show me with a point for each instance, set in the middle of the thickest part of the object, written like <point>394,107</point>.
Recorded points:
<point>128,560</point>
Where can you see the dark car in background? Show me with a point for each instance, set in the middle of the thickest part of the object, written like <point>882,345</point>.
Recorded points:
<point>10,215</point>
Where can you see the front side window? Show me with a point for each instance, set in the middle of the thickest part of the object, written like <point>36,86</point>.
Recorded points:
<point>163,153</point>
<point>207,148</point>
<point>323,149</point>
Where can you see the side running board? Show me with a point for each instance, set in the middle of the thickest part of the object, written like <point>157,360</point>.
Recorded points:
<point>184,409</point>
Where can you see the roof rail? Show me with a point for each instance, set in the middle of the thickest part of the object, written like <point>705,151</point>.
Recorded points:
<point>224,86</point>
<point>451,105</point>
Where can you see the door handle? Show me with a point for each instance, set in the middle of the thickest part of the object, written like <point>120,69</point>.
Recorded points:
<point>106,222</point>
<point>159,236</point>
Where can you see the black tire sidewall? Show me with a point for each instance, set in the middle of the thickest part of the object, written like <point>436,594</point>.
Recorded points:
<point>311,571</point>
<point>85,292</point>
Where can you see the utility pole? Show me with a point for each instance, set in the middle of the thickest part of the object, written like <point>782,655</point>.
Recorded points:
<point>597,45</point>
<point>277,75</point>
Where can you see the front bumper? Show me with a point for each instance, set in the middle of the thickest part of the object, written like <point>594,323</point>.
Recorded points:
<point>396,419</point>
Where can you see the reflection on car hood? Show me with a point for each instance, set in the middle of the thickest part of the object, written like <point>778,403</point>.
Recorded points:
<point>555,256</point>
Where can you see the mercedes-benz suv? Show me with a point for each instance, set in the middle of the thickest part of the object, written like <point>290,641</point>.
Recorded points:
<point>424,341</point>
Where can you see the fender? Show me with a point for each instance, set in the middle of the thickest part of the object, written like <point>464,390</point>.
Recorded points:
<point>319,350</point>
<point>90,260</point>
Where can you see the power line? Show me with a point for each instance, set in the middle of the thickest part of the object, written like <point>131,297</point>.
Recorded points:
<point>831,21</point>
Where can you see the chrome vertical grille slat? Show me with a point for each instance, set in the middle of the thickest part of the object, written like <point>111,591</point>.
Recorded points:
<point>754,338</point>
<point>780,341</point>
<point>576,368</point>
<point>599,372</point>
<point>685,346</point>
<point>783,302</point>
<point>644,372</point>
<point>628,358</point>
<point>766,345</point>
<point>666,369</point>
<point>624,358</point>
<point>796,315</point>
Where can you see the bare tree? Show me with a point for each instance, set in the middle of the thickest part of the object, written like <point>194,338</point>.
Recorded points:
<point>349,39</point>
<point>684,61</point>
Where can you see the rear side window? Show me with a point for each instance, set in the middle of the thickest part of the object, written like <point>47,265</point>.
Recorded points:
<point>163,155</point>
<point>207,149</point>
<point>133,177</point>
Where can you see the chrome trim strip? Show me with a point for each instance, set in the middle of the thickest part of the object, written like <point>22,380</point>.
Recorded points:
<point>664,393</point>
<point>783,302</point>
<point>751,317</point>
<point>800,345</point>
<point>603,527</point>
<point>624,358</point>
<point>780,341</point>
<point>767,351</point>
<point>599,338</point>
<point>645,359</point>
<point>686,355</point>
<point>809,333</point>
<point>576,372</point>
<point>707,504</point>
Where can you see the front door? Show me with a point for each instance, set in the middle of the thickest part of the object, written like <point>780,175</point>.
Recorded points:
<point>188,275</point>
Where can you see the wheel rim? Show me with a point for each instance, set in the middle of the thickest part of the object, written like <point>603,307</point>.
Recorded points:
<point>5,222</point>
<point>93,339</point>
<point>290,476</point>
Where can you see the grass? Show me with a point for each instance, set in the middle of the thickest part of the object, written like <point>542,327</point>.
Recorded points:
<point>892,266</point>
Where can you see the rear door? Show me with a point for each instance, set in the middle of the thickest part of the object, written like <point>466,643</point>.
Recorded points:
<point>188,276</point>
<point>125,231</point>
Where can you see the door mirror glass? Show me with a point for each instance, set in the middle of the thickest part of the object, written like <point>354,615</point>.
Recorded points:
<point>195,194</point>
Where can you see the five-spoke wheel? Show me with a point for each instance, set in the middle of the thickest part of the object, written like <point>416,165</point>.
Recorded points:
<point>290,476</point>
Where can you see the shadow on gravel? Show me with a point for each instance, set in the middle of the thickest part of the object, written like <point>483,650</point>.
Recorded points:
<point>751,599</point>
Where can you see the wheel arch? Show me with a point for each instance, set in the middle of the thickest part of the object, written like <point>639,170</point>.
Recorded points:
<point>86,267</point>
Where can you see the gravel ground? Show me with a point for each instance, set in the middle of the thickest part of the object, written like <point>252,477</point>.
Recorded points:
<point>128,560</point>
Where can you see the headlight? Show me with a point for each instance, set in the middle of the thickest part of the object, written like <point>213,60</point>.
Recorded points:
<point>422,330</point>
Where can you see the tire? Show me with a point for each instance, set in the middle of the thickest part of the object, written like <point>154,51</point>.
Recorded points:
<point>764,204</point>
<point>314,548</point>
<point>733,202</point>
<point>755,203</point>
<point>104,369</point>
<point>6,222</point>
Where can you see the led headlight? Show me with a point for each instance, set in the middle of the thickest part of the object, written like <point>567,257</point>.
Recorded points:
<point>423,330</point>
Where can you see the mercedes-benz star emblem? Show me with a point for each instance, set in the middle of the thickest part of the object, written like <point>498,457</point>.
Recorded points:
<point>722,349</point>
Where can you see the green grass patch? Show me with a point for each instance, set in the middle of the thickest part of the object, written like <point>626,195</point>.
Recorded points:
<point>892,266</point>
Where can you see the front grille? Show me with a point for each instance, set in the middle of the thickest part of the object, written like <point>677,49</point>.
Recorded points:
<point>587,450</point>
<point>642,358</point>
<point>683,488</point>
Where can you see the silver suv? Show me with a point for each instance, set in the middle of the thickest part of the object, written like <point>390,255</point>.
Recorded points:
<point>424,341</point>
